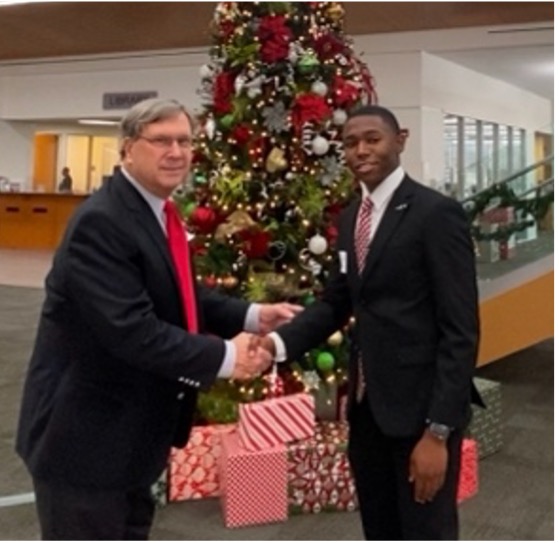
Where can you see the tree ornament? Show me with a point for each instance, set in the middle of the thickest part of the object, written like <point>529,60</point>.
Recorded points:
<point>204,219</point>
<point>210,281</point>
<point>318,244</point>
<point>230,282</point>
<point>308,63</point>
<point>335,339</point>
<point>311,380</point>
<point>339,117</point>
<point>320,145</point>
<point>335,11</point>
<point>277,250</point>
<point>226,121</point>
<point>276,161</point>
<point>309,299</point>
<point>325,361</point>
<point>209,127</point>
<point>200,179</point>
<point>188,209</point>
<point>320,88</point>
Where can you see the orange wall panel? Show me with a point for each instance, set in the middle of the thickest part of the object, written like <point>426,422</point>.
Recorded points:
<point>516,319</point>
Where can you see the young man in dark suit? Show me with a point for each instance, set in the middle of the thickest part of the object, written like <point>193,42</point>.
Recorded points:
<point>117,364</point>
<point>406,272</point>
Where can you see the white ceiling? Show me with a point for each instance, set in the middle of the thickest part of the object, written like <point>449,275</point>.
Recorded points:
<point>520,55</point>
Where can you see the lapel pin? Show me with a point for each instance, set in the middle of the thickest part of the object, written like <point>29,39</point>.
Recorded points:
<point>401,207</point>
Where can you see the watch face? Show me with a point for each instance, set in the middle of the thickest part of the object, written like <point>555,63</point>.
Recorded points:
<point>439,430</point>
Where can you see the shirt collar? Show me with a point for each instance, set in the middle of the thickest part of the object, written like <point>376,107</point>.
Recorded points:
<point>155,203</point>
<point>385,189</point>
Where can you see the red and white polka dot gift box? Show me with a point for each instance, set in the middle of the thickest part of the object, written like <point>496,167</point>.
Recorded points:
<point>253,484</point>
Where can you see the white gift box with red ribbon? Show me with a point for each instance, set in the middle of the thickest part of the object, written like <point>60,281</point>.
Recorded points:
<point>276,421</point>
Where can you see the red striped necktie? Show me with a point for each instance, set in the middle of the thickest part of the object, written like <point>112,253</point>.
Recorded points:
<point>176,237</point>
<point>362,238</point>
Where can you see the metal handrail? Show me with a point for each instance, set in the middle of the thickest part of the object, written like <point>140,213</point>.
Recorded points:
<point>512,177</point>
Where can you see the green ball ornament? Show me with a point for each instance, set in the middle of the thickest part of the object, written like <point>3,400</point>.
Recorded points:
<point>226,121</point>
<point>200,179</point>
<point>307,64</point>
<point>189,208</point>
<point>325,361</point>
<point>310,299</point>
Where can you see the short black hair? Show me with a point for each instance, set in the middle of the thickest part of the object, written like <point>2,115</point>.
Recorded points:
<point>376,111</point>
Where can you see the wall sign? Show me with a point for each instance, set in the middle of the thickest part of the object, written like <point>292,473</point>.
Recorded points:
<point>125,100</point>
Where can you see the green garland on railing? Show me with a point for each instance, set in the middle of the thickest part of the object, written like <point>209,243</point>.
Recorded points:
<point>529,210</point>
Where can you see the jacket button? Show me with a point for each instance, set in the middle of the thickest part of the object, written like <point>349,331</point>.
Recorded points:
<point>180,395</point>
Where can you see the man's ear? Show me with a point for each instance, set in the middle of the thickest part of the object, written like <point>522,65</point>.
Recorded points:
<point>125,149</point>
<point>403,137</point>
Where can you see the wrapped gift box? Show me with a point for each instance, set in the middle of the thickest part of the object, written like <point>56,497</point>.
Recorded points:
<point>193,470</point>
<point>486,426</point>
<point>160,489</point>
<point>468,481</point>
<point>276,421</point>
<point>318,473</point>
<point>253,484</point>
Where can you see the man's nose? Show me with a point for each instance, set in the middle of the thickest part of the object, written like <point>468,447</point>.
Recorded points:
<point>362,148</point>
<point>175,149</point>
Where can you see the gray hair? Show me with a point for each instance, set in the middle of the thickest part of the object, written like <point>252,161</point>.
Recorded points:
<point>150,111</point>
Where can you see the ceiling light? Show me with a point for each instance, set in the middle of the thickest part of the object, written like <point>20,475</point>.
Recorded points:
<point>98,122</point>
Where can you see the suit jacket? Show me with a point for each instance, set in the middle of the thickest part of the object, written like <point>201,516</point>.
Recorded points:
<point>416,311</point>
<point>113,377</point>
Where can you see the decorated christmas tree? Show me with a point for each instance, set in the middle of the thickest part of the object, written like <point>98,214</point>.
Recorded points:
<point>268,172</point>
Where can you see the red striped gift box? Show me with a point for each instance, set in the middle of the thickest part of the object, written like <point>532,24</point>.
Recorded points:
<point>276,421</point>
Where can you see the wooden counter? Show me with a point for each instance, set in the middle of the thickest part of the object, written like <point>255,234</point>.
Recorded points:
<point>34,220</point>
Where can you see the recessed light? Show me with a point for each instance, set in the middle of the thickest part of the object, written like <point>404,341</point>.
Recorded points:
<point>98,122</point>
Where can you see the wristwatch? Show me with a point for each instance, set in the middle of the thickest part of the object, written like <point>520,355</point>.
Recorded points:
<point>440,431</point>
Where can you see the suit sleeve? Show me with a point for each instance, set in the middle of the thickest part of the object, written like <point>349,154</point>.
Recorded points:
<point>104,275</point>
<point>321,319</point>
<point>223,315</point>
<point>451,269</point>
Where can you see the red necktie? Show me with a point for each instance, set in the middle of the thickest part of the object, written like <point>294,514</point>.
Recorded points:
<point>362,237</point>
<point>363,232</point>
<point>176,237</point>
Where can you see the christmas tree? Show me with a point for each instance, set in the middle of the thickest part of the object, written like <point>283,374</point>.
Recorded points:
<point>268,172</point>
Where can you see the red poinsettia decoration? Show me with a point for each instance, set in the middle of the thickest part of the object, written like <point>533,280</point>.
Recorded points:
<point>255,243</point>
<point>309,108</point>
<point>328,46</point>
<point>345,93</point>
<point>241,134</point>
<point>224,87</point>
<point>274,37</point>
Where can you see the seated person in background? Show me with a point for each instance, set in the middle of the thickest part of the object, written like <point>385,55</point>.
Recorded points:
<point>65,184</point>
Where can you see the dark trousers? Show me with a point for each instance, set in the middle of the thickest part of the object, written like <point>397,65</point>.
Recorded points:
<point>67,512</point>
<point>380,465</point>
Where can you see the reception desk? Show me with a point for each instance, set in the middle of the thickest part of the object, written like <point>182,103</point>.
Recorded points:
<point>34,220</point>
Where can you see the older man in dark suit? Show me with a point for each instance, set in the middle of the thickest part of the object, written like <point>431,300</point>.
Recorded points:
<point>122,348</point>
<point>406,271</point>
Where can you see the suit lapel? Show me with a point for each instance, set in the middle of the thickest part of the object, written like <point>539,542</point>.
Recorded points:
<point>392,218</point>
<point>144,217</point>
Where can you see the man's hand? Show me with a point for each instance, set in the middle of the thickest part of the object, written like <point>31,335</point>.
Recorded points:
<point>264,342</point>
<point>274,315</point>
<point>428,464</point>
<point>252,359</point>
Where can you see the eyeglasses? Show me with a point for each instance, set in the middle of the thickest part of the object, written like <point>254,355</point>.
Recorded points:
<point>166,142</point>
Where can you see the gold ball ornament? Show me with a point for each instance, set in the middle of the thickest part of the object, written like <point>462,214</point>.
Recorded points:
<point>275,162</point>
<point>230,281</point>
<point>335,11</point>
<point>335,339</point>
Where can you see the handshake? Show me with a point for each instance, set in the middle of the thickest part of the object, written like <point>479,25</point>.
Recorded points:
<point>255,354</point>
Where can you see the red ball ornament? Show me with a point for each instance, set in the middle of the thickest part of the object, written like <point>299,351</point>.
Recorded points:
<point>204,219</point>
<point>210,281</point>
